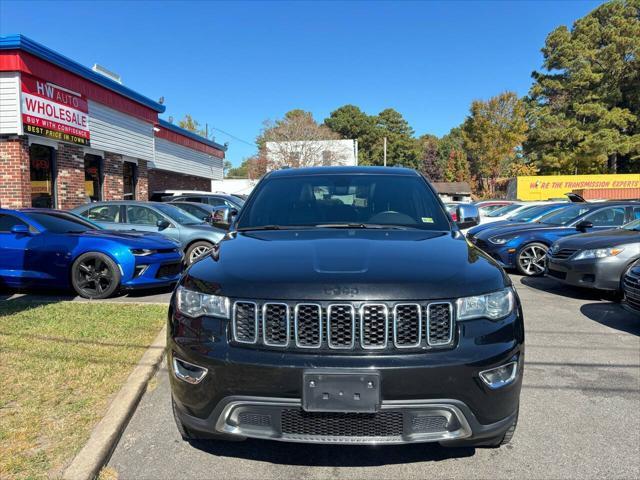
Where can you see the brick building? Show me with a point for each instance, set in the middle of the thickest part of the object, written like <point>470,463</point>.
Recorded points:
<point>70,135</point>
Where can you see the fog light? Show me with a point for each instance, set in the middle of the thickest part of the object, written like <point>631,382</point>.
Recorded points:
<point>188,372</point>
<point>500,376</point>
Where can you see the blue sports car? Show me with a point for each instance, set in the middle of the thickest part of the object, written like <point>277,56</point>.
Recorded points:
<point>50,248</point>
<point>524,246</point>
<point>528,215</point>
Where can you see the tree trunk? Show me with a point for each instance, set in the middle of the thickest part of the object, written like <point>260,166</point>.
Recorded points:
<point>613,163</point>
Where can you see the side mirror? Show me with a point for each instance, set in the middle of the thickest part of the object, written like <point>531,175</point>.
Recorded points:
<point>584,225</point>
<point>468,216</point>
<point>162,224</point>
<point>20,230</point>
<point>223,216</point>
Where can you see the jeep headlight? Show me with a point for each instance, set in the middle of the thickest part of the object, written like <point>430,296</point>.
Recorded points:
<point>498,240</point>
<point>494,305</point>
<point>196,304</point>
<point>598,253</point>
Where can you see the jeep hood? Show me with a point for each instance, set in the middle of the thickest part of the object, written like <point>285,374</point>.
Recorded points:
<point>351,264</point>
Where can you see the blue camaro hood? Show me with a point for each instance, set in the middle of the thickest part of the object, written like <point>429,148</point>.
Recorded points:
<point>132,238</point>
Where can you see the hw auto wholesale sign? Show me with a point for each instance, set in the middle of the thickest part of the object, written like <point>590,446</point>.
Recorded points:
<point>54,112</point>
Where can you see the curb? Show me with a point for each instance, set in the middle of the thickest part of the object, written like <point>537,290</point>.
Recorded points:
<point>105,435</point>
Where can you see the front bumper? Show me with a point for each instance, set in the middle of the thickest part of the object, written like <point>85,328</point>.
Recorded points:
<point>155,271</point>
<point>600,274</point>
<point>426,396</point>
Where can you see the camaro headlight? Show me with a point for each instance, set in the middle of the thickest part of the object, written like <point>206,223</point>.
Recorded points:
<point>502,240</point>
<point>142,252</point>
<point>598,253</point>
<point>196,304</point>
<point>494,305</point>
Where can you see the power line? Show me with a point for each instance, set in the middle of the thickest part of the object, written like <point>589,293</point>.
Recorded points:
<point>251,144</point>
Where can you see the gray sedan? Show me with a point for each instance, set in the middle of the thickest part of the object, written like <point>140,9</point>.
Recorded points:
<point>595,260</point>
<point>195,236</point>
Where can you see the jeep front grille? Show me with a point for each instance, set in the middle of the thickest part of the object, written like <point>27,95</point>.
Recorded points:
<point>343,327</point>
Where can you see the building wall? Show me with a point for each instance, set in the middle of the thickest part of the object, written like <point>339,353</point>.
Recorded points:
<point>10,122</point>
<point>15,186</point>
<point>113,183</point>
<point>70,176</point>
<point>170,156</point>
<point>116,132</point>
<point>142,187</point>
<point>164,180</point>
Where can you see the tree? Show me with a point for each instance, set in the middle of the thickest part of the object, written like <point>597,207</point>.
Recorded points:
<point>401,146</point>
<point>453,157</point>
<point>295,141</point>
<point>493,134</point>
<point>431,164</point>
<point>227,166</point>
<point>188,123</point>
<point>584,107</point>
<point>350,122</point>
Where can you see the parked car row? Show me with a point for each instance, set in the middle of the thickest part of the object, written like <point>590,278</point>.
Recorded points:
<point>591,245</point>
<point>100,248</point>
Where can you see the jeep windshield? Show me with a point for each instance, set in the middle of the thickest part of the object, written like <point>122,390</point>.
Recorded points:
<point>344,201</point>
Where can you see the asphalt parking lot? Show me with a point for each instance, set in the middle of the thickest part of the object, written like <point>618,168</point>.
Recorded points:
<point>579,416</point>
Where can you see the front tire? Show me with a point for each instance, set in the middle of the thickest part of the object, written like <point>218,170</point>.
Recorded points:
<point>95,276</point>
<point>530,259</point>
<point>197,250</point>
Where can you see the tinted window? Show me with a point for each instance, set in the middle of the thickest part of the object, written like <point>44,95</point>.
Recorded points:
<point>530,213</point>
<point>215,201</point>
<point>321,199</point>
<point>180,216</point>
<point>565,216</point>
<point>504,210</point>
<point>137,215</point>
<point>634,225</point>
<point>8,221</point>
<point>607,217</point>
<point>61,222</point>
<point>192,209</point>
<point>636,212</point>
<point>103,213</point>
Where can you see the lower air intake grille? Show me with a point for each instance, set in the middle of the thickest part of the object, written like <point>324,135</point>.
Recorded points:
<point>381,424</point>
<point>428,423</point>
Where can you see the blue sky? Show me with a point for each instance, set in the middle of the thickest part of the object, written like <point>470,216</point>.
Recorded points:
<point>234,65</point>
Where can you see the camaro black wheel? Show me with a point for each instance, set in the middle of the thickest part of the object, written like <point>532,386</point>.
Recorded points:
<point>196,250</point>
<point>530,259</point>
<point>95,275</point>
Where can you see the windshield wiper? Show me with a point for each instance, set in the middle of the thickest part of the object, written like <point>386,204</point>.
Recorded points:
<point>360,225</point>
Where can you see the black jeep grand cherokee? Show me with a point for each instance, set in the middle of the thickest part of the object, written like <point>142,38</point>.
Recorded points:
<point>344,306</point>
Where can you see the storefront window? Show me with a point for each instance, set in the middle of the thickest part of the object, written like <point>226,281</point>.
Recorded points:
<point>129,181</point>
<point>42,176</point>
<point>93,177</point>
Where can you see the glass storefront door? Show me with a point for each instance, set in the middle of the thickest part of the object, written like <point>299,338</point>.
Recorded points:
<point>41,165</point>
<point>93,177</point>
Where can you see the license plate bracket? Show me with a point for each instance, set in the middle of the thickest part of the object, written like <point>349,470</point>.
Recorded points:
<point>348,392</point>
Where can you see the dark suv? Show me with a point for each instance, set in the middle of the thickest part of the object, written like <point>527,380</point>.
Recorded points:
<point>344,306</point>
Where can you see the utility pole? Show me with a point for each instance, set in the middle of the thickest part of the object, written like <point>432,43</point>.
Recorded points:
<point>385,151</point>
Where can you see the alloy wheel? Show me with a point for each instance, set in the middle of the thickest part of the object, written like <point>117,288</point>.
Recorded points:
<point>93,276</point>
<point>197,252</point>
<point>531,259</point>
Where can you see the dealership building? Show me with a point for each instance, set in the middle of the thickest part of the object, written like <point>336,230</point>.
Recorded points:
<point>71,134</point>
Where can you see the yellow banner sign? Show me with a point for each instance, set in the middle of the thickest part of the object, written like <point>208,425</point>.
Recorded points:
<point>555,186</point>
